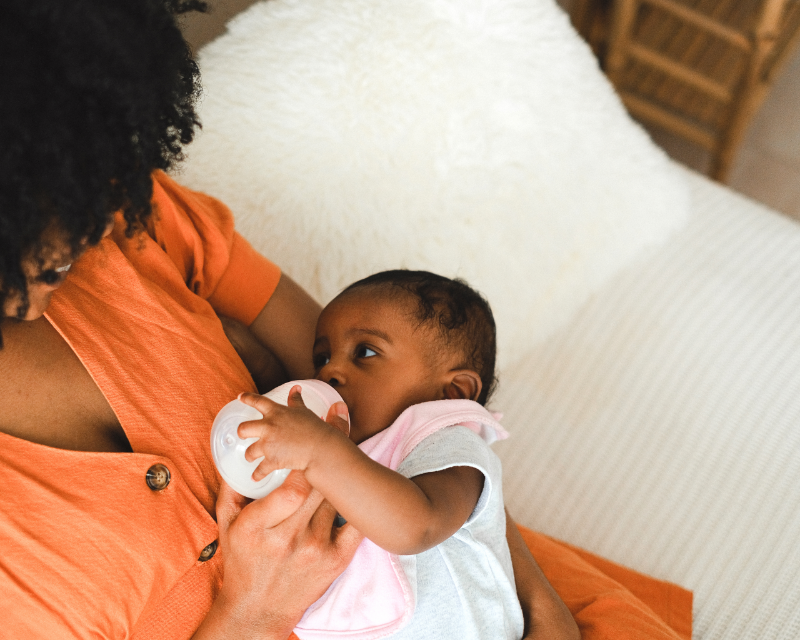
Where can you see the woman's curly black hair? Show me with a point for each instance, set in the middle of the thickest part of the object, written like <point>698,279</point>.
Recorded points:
<point>461,315</point>
<point>94,95</point>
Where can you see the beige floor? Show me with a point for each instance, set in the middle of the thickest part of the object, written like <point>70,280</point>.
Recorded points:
<point>767,167</point>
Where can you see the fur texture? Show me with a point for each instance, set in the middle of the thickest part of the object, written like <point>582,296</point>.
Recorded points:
<point>472,138</point>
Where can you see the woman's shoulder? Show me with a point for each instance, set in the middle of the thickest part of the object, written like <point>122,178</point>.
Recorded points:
<point>182,211</point>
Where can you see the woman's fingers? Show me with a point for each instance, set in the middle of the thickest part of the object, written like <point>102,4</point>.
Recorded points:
<point>229,503</point>
<point>343,541</point>
<point>346,540</point>
<point>334,546</point>
<point>229,506</point>
<point>341,544</point>
<point>292,496</point>
<point>269,511</point>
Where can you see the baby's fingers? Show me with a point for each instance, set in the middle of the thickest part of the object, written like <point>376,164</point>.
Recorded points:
<point>296,397</point>
<point>339,417</point>
<point>257,450</point>
<point>263,404</point>
<point>267,465</point>
<point>262,471</point>
<point>252,429</point>
<point>268,410</point>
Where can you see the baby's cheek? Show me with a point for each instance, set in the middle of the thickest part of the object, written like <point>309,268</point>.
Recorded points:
<point>366,422</point>
<point>360,425</point>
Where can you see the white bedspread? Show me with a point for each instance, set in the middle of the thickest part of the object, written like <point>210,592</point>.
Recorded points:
<point>661,428</point>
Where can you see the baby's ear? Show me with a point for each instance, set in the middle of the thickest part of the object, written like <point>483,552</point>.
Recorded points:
<point>463,384</point>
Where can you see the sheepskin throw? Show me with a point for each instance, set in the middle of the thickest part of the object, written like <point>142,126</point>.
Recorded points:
<point>473,138</point>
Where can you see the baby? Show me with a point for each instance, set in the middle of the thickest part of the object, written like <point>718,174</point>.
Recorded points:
<point>412,354</point>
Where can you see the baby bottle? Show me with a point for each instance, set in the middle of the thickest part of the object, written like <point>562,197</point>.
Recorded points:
<point>228,448</point>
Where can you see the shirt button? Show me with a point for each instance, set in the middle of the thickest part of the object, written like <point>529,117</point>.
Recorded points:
<point>157,477</point>
<point>208,552</point>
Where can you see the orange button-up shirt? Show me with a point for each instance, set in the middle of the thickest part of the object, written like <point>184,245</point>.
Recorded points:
<point>88,549</point>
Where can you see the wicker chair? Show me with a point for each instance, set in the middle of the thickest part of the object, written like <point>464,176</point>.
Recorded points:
<point>697,68</point>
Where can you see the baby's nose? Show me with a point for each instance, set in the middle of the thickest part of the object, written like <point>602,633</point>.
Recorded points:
<point>329,375</point>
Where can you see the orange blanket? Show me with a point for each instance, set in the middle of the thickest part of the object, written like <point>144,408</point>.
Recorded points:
<point>610,601</point>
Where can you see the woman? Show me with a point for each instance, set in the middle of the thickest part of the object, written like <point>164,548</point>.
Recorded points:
<point>114,361</point>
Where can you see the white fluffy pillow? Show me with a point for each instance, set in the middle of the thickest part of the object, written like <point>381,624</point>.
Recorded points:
<point>473,138</point>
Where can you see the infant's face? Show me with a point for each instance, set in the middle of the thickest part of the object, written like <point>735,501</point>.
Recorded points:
<point>371,351</point>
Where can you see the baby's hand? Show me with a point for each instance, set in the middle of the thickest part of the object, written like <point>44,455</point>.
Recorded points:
<point>289,437</point>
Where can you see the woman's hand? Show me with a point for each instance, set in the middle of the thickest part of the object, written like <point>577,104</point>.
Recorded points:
<point>289,437</point>
<point>281,553</point>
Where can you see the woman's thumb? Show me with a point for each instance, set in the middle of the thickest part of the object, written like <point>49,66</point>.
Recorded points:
<point>229,505</point>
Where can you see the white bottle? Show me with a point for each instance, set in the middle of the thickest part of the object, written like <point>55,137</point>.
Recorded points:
<point>227,448</point>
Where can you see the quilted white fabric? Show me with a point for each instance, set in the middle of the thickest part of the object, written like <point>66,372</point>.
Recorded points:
<point>661,428</point>
<point>469,137</point>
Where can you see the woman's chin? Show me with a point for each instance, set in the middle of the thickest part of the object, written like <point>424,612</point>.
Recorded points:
<point>36,307</point>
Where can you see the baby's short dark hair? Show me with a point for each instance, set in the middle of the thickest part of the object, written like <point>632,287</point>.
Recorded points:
<point>462,316</point>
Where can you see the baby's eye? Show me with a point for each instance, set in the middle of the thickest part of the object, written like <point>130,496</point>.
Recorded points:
<point>364,352</point>
<point>320,360</point>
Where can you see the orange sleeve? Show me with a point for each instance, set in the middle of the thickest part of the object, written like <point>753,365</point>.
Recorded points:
<point>196,232</point>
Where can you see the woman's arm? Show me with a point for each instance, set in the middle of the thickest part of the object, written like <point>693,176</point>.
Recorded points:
<point>263,365</point>
<point>276,347</point>
<point>286,327</point>
<point>546,615</point>
<point>401,515</point>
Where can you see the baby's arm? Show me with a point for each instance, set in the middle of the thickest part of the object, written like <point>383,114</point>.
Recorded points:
<point>401,515</point>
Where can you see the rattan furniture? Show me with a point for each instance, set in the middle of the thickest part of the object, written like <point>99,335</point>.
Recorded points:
<point>697,68</point>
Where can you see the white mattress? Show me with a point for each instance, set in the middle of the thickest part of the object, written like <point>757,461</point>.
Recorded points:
<point>661,428</point>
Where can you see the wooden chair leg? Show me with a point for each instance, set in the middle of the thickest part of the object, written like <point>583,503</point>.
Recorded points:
<point>733,136</point>
<point>622,17</point>
<point>752,89</point>
<point>679,72</point>
<point>582,15</point>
